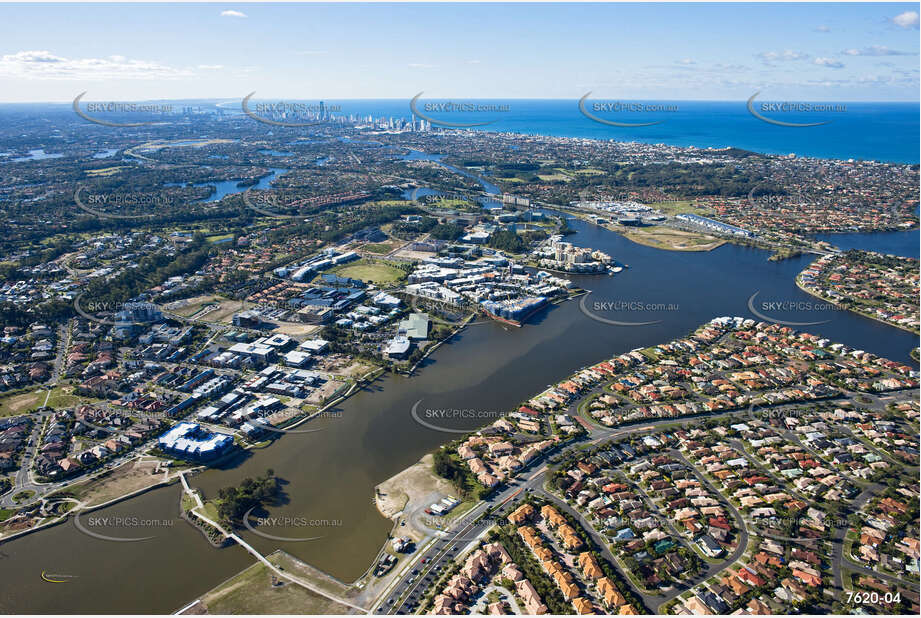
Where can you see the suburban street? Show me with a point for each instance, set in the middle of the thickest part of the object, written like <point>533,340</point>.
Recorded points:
<point>406,593</point>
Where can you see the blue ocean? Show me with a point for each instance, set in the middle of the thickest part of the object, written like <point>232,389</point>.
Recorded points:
<point>868,131</point>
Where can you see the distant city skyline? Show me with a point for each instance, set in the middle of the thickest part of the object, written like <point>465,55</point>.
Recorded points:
<point>814,52</point>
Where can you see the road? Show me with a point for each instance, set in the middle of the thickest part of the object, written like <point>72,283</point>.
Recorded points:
<point>405,594</point>
<point>407,591</point>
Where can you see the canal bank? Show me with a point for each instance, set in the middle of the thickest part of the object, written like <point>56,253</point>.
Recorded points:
<point>330,475</point>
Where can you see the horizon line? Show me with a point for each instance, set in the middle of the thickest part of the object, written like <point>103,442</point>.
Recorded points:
<point>446,98</point>
<point>466,98</point>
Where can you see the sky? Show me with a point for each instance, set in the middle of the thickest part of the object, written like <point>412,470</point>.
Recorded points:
<point>132,52</point>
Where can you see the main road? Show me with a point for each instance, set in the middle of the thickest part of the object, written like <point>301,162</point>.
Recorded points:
<point>405,594</point>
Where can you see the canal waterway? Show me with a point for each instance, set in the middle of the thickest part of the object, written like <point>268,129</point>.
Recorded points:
<point>488,369</point>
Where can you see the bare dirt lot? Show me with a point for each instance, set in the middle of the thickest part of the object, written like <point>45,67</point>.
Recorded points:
<point>408,490</point>
<point>341,365</point>
<point>190,306</point>
<point>131,476</point>
<point>257,591</point>
<point>661,237</point>
<point>294,329</point>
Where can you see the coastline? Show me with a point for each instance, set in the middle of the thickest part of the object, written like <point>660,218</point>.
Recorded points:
<point>736,111</point>
<point>374,373</point>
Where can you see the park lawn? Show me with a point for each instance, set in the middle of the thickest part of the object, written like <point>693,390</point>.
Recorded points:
<point>106,171</point>
<point>678,207</point>
<point>371,272</point>
<point>63,397</point>
<point>588,171</point>
<point>209,510</point>
<point>378,247</point>
<point>20,403</point>
<point>219,237</point>
<point>553,177</point>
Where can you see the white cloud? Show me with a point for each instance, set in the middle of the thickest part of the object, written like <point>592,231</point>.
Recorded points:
<point>823,28</point>
<point>908,19</point>
<point>210,67</point>
<point>317,52</point>
<point>829,62</point>
<point>418,65</point>
<point>719,66</point>
<point>47,66</point>
<point>686,61</point>
<point>876,50</point>
<point>784,56</point>
<point>232,13</point>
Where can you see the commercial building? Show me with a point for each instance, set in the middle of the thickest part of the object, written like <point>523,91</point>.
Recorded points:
<point>416,326</point>
<point>190,441</point>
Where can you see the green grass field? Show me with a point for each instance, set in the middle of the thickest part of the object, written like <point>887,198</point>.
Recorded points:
<point>371,272</point>
<point>681,206</point>
<point>378,247</point>
<point>20,403</point>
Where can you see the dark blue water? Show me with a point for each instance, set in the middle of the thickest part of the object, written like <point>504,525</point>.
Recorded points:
<point>485,367</point>
<point>870,131</point>
<point>904,243</point>
<point>223,188</point>
<point>37,154</point>
<point>690,288</point>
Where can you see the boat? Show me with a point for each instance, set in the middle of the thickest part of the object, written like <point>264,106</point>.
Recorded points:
<point>49,579</point>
